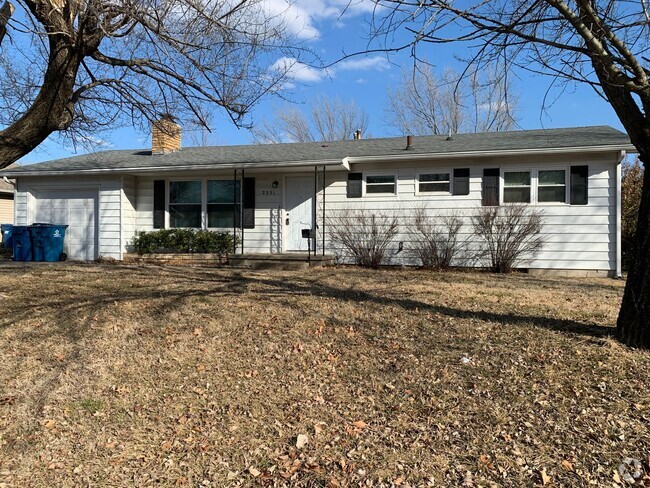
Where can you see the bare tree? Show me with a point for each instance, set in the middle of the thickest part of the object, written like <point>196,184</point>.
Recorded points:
<point>423,103</point>
<point>602,43</point>
<point>80,65</point>
<point>328,120</point>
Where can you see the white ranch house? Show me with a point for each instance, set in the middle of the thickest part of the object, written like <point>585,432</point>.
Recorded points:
<point>572,174</point>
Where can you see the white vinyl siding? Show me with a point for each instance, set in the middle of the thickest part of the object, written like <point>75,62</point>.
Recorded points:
<point>109,205</point>
<point>578,237</point>
<point>129,220</point>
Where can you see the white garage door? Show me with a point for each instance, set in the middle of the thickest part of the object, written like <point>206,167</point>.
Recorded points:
<point>78,210</point>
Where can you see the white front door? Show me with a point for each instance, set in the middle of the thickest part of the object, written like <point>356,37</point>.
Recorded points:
<point>299,194</point>
<point>75,208</point>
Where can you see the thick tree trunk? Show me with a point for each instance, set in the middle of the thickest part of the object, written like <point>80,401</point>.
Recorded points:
<point>5,13</point>
<point>52,109</point>
<point>633,324</point>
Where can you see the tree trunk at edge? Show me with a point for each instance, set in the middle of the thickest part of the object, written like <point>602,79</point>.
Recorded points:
<point>633,324</point>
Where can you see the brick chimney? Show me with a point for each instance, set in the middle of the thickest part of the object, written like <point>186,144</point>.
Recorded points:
<point>165,136</point>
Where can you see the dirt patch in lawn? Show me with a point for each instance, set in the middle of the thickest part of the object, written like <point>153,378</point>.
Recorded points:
<point>135,376</point>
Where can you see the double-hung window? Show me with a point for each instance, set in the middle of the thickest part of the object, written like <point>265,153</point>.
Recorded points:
<point>551,186</point>
<point>223,203</point>
<point>185,204</point>
<point>516,187</point>
<point>434,183</point>
<point>378,184</point>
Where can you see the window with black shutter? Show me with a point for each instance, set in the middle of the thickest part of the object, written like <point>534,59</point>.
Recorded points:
<point>159,204</point>
<point>355,185</point>
<point>461,181</point>
<point>579,185</point>
<point>491,187</point>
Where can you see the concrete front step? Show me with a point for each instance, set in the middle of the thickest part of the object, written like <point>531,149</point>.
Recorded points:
<point>284,261</point>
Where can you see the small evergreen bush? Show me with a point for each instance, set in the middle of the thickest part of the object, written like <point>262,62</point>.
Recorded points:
<point>183,241</point>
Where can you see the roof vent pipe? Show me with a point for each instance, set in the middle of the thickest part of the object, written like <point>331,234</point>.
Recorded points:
<point>449,136</point>
<point>409,142</point>
<point>357,134</point>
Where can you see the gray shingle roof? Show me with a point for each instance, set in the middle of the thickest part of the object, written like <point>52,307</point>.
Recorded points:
<point>270,154</point>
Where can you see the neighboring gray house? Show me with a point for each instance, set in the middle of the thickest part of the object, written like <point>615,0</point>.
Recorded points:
<point>573,174</point>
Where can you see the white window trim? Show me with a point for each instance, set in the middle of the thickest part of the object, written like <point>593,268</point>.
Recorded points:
<point>450,172</point>
<point>533,185</point>
<point>567,186</point>
<point>380,173</point>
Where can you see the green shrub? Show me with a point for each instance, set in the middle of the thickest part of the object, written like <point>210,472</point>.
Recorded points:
<point>183,241</point>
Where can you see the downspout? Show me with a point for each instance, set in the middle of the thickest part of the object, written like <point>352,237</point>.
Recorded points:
<point>122,196</point>
<point>323,229</point>
<point>315,210</point>
<point>619,266</point>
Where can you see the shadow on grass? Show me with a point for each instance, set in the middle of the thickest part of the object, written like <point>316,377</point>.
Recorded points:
<point>192,283</point>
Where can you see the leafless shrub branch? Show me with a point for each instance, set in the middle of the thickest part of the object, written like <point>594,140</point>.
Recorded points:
<point>511,234</point>
<point>435,239</point>
<point>364,236</point>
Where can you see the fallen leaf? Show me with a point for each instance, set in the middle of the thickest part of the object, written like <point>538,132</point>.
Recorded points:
<point>360,424</point>
<point>317,428</point>
<point>254,472</point>
<point>546,479</point>
<point>301,441</point>
<point>567,465</point>
<point>197,332</point>
<point>49,424</point>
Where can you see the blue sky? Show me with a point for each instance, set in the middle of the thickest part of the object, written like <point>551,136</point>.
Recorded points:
<point>364,79</point>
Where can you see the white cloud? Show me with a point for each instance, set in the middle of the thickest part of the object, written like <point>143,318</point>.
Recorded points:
<point>295,70</point>
<point>300,16</point>
<point>361,81</point>
<point>296,19</point>
<point>300,72</point>
<point>377,63</point>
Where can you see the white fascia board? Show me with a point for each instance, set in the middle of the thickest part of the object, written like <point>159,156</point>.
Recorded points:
<point>486,154</point>
<point>169,169</point>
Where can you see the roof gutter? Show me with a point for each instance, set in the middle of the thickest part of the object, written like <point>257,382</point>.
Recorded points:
<point>164,169</point>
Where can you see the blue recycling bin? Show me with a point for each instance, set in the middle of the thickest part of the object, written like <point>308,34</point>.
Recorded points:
<point>47,242</point>
<point>7,236</point>
<point>22,242</point>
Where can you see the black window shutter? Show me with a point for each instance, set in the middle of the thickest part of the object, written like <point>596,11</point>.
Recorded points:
<point>579,185</point>
<point>249,203</point>
<point>355,185</point>
<point>159,204</point>
<point>491,187</point>
<point>461,181</point>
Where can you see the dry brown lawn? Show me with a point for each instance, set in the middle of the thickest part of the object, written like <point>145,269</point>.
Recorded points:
<point>166,376</point>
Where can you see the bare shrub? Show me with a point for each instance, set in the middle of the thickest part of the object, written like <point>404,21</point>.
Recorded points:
<point>511,234</point>
<point>363,235</point>
<point>435,238</point>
